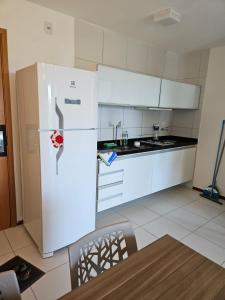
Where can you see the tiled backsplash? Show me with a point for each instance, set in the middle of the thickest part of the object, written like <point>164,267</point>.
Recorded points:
<point>138,122</point>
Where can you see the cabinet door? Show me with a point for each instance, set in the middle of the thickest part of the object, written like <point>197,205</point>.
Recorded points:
<point>89,41</point>
<point>148,91</point>
<point>115,49</point>
<point>138,177</point>
<point>127,88</point>
<point>172,168</point>
<point>179,95</point>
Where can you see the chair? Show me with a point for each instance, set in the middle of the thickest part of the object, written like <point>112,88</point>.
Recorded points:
<point>99,251</point>
<point>9,288</point>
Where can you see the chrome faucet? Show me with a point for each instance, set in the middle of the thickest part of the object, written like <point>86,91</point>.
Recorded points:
<point>113,126</point>
<point>117,126</point>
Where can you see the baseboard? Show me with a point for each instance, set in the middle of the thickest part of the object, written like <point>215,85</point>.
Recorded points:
<point>201,190</point>
<point>19,222</point>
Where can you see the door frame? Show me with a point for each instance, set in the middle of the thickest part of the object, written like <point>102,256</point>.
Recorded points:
<point>8,122</point>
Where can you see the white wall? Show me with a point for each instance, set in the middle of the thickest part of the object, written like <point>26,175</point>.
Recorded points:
<point>192,68</point>
<point>28,43</point>
<point>213,113</point>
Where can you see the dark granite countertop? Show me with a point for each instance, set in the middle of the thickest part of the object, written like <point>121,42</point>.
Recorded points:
<point>168,142</point>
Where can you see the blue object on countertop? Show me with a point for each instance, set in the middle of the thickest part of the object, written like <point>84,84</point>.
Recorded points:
<point>108,157</point>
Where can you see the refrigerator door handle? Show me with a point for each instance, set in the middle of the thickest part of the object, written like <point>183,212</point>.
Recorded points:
<point>59,114</point>
<point>61,125</point>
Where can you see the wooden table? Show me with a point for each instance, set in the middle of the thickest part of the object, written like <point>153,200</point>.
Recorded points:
<point>166,269</point>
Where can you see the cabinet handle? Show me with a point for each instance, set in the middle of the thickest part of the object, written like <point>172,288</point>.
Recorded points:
<point>112,172</point>
<point>110,197</point>
<point>110,185</point>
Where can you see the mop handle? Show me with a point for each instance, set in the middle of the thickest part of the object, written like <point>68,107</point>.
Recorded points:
<point>218,156</point>
<point>221,155</point>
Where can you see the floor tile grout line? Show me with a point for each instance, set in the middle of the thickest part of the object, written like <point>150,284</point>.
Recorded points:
<point>134,221</point>
<point>199,214</point>
<point>182,241</point>
<point>212,242</point>
<point>43,276</point>
<point>191,230</point>
<point>9,242</point>
<point>170,221</point>
<point>166,214</point>
<point>36,298</point>
<point>14,252</point>
<point>196,233</point>
<point>149,232</point>
<point>217,217</point>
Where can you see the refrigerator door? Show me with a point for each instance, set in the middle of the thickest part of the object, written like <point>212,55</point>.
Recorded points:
<point>69,197</point>
<point>67,98</point>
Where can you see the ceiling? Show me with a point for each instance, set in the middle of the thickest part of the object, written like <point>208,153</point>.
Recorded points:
<point>202,25</point>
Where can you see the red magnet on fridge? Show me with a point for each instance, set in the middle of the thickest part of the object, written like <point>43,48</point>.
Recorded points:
<point>57,139</point>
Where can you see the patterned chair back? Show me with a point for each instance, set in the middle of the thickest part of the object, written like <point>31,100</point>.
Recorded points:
<point>99,251</point>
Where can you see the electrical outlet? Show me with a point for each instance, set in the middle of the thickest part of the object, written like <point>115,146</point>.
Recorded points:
<point>48,28</point>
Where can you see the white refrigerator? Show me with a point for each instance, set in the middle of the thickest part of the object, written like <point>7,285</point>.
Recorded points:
<point>58,137</point>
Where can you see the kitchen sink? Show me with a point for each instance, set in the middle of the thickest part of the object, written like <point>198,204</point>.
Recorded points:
<point>132,148</point>
<point>162,143</point>
<point>126,148</point>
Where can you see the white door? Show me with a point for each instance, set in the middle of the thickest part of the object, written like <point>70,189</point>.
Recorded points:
<point>69,193</point>
<point>179,95</point>
<point>67,97</point>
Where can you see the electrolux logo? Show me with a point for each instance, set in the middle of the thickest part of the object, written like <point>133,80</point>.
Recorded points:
<point>72,84</point>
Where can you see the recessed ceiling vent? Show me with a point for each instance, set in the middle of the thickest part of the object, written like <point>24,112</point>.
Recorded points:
<point>167,17</point>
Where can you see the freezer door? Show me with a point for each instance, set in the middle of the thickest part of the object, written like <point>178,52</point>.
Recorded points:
<point>66,97</point>
<point>69,197</point>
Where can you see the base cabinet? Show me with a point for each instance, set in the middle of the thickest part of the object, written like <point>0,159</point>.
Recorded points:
<point>172,168</point>
<point>133,177</point>
<point>138,177</point>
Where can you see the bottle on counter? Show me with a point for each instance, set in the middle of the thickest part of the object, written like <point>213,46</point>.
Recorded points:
<point>125,138</point>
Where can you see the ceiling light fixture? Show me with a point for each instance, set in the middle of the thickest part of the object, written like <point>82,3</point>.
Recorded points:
<point>167,17</point>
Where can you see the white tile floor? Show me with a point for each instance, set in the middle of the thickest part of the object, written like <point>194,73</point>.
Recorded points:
<point>179,212</point>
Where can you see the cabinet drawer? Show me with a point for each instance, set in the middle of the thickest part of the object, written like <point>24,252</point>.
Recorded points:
<point>110,177</point>
<point>110,202</point>
<point>110,190</point>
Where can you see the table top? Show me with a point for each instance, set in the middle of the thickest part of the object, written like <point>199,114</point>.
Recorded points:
<point>166,269</point>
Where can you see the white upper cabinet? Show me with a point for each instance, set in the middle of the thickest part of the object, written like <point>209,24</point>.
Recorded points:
<point>114,49</point>
<point>122,87</point>
<point>137,56</point>
<point>179,95</point>
<point>156,61</point>
<point>89,41</point>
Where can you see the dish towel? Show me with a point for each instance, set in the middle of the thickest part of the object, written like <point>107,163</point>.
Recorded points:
<point>108,157</point>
